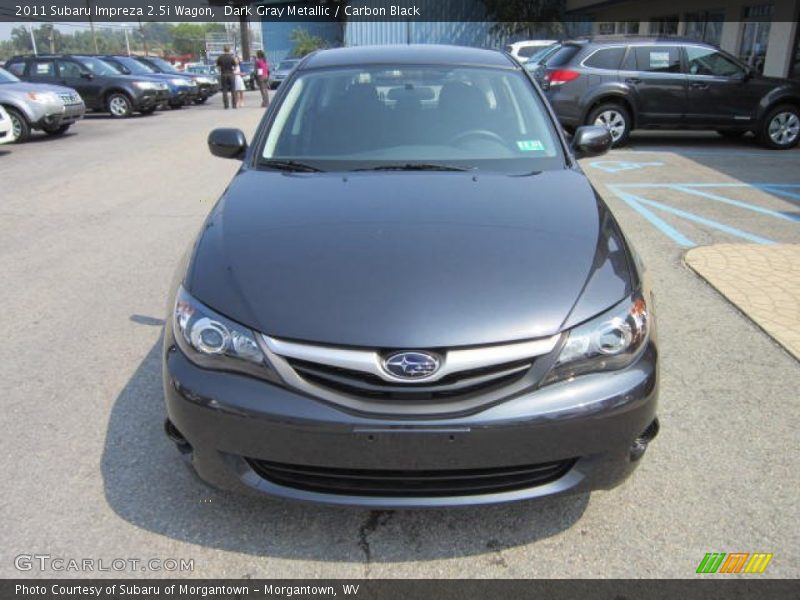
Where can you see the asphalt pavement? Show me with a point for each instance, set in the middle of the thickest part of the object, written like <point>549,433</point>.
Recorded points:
<point>92,227</point>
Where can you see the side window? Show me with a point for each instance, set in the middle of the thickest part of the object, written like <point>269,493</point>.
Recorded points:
<point>705,61</point>
<point>43,68</point>
<point>605,58</point>
<point>68,69</point>
<point>658,59</point>
<point>17,68</point>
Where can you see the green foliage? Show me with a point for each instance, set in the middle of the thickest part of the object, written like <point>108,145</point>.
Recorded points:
<point>305,43</point>
<point>527,18</point>
<point>165,38</point>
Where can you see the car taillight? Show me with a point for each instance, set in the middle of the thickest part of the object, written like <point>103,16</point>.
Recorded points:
<point>562,76</point>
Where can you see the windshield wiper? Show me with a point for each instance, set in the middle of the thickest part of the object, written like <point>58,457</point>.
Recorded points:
<point>416,167</point>
<point>288,165</point>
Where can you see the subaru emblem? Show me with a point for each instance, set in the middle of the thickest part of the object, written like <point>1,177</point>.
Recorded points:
<point>411,365</point>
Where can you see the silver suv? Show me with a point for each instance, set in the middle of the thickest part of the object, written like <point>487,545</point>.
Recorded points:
<point>49,108</point>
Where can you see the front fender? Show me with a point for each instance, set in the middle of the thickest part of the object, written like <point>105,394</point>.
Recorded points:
<point>788,93</point>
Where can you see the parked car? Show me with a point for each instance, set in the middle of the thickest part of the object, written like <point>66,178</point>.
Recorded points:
<point>6,127</point>
<point>101,87</point>
<point>205,70</point>
<point>49,108</point>
<point>535,64</point>
<point>635,83</point>
<point>277,76</point>
<point>181,90</point>
<point>436,309</point>
<point>523,51</point>
<point>205,86</point>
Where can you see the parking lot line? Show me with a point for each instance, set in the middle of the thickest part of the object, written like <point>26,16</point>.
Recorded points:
<point>641,204</point>
<point>738,203</point>
<point>663,226</point>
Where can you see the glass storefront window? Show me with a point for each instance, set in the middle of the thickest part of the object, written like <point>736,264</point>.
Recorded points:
<point>705,26</point>
<point>755,35</point>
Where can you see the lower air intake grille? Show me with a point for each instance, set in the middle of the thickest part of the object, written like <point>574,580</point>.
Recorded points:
<point>389,483</point>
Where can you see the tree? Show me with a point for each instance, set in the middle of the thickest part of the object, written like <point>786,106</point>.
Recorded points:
<point>529,18</point>
<point>305,43</point>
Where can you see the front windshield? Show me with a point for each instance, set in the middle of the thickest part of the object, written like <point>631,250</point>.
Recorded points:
<point>97,66</point>
<point>164,65</point>
<point>543,53</point>
<point>464,117</point>
<point>135,67</point>
<point>6,77</point>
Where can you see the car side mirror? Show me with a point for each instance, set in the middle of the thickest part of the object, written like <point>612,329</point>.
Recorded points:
<point>227,143</point>
<point>591,140</point>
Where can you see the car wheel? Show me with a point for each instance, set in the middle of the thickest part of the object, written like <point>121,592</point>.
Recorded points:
<point>20,128</point>
<point>119,106</point>
<point>176,105</point>
<point>613,117</point>
<point>201,100</point>
<point>781,128</point>
<point>148,111</point>
<point>732,133</point>
<point>60,130</point>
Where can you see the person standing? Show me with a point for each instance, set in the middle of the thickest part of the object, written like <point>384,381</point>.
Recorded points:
<point>262,77</point>
<point>226,63</point>
<point>238,84</point>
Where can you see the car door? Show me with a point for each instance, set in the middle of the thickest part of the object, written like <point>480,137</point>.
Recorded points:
<point>42,70</point>
<point>656,83</point>
<point>73,74</point>
<point>720,91</point>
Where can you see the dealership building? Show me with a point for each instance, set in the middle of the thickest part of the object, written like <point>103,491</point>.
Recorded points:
<point>763,34</point>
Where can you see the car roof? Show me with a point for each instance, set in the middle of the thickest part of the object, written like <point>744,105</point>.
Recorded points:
<point>633,40</point>
<point>427,54</point>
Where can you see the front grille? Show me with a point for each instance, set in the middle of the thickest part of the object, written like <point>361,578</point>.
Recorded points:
<point>391,483</point>
<point>70,98</point>
<point>367,385</point>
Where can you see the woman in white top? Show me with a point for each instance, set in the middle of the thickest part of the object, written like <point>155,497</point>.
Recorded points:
<point>238,86</point>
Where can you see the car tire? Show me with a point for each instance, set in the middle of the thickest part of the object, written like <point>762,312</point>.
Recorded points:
<point>119,105</point>
<point>732,133</point>
<point>20,128</point>
<point>176,106</point>
<point>201,100</point>
<point>780,129</point>
<point>56,131</point>
<point>148,111</point>
<point>615,118</point>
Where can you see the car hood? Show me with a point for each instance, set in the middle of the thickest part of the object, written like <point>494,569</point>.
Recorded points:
<point>25,87</point>
<point>410,259</point>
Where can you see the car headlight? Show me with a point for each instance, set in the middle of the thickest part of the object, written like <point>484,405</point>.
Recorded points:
<point>44,97</point>
<point>147,85</point>
<point>204,80</point>
<point>607,342</point>
<point>212,341</point>
<point>179,82</point>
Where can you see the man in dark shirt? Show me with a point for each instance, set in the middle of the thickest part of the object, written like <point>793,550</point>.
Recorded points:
<point>226,63</point>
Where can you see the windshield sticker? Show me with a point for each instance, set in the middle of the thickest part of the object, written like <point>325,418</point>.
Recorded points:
<point>530,146</point>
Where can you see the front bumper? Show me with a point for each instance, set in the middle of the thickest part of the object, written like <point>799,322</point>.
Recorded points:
<point>53,115</point>
<point>147,99</point>
<point>239,429</point>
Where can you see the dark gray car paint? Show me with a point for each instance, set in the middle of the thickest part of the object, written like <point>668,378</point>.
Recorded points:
<point>418,260</point>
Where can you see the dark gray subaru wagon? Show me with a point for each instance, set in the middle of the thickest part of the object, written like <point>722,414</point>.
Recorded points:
<point>410,295</point>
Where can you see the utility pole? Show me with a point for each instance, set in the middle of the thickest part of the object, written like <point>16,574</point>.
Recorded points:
<point>127,41</point>
<point>33,39</point>
<point>91,25</point>
<point>51,38</point>
<point>144,38</point>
